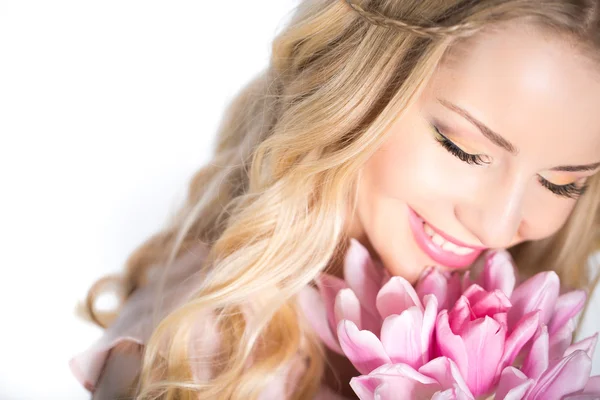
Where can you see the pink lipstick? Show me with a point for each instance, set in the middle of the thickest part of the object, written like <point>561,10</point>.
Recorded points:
<point>439,246</point>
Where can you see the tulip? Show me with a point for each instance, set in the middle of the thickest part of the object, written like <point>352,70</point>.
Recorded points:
<point>445,286</point>
<point>439,379</point>
<point>371,322</point>
<point>499,272</point>
<point>540,292</point>
<point>402,338</point>
<point>406,332</point>
<point>364,278</point>
<point>542,377</point>
<point>475,335</point>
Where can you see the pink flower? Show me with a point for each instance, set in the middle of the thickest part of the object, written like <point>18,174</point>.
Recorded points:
<point>371,318</point>
<point>445,286</point>
<point>439,379</point>
<point>540,292</point>
<point>542,377</point>
<point>396,335</point>
<point>494,320</point>
<point>474,333</point>
<point>406,331</point>
<point>354,298</point>
<point>558,312</point>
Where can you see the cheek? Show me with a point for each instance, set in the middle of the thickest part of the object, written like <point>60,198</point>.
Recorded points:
<point>551,221</point>
<point>412,167</point>
<point>406,166</point>
<point>544,218</point>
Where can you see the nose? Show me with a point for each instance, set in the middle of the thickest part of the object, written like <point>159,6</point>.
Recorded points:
<point>495,221</point>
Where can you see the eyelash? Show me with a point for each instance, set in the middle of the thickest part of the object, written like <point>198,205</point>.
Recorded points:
<point>571,190</point>
<point>457,151</point>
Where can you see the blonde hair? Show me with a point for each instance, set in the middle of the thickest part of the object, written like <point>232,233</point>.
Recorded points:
<point>272,205</point>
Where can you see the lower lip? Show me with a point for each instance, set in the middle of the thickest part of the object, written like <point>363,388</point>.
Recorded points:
<point>436,253</point>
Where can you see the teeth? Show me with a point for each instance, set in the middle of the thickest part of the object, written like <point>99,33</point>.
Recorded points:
<point>437,239</point>
<point>463,251</point>
<point>449,247</point>
<point>444,244</point>
<point>428,230</point>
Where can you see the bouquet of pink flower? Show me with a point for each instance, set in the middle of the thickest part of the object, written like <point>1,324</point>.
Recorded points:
<point>452,337</point>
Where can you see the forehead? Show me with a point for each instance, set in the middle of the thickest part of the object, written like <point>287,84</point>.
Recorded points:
<point>531,87</point>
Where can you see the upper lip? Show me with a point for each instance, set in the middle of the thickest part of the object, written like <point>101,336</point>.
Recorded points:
<point>450,238</point>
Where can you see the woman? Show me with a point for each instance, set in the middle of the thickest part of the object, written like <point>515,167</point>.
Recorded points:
<point>427,130</point>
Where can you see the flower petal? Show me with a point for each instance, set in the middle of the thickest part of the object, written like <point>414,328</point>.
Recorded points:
<point>501,318</point>
<point>490,303</point>
<point>460,314</point>
<point>536,361</point>
<point>347,306</point>
<point>311,303</point>
<point>450,345</point>
<point>513,385</point>
<point>592,385</point>
<point>452,394</point>
<point>400,369</point>
<point>401,337</point>
<point>447,394</point>
<point>537,293</point>
<point>566,376</point>
<point>364,386</point>
<point>484,342</point>
<point>329,286</point>
<point>446,372</point>
<point>371,322</point>
<point>455,288</point>
<point>412,390</point>
<point>524,330</point>
<point>362,348</point>
<point>499,272</point>
<point>429,318</point>
<point>561,340</point>
<point>567,306</point>
<point>388,380</point>
<point>396,296</point>
<point>474,293</point>
<point>588,345</point>
<point>433,282</point>
<point>582,396</point>
<point>362,275</point>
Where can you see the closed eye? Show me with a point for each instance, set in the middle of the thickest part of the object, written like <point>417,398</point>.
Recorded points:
<point>451,147</point>
<point>571,190</point>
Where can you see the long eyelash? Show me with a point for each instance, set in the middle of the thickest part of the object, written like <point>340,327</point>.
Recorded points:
<point>571,191</point>
<point>456,151</point>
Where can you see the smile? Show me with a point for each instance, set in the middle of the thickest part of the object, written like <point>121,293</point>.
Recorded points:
<point>441,247</point>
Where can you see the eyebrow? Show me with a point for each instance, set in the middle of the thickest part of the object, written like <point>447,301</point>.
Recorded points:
<point>498,140</point>
<point>487,132</point>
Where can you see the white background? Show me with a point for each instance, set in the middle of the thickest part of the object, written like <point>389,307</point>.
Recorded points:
<point>106,110</point>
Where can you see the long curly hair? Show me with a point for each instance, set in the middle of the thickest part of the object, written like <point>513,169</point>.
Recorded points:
<point>273,202</point>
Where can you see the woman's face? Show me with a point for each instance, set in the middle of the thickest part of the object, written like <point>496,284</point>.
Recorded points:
<point>518,115</point>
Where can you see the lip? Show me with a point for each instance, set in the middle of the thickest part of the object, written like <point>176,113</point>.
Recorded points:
<point>435,252</point>
<point>450,238</point>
